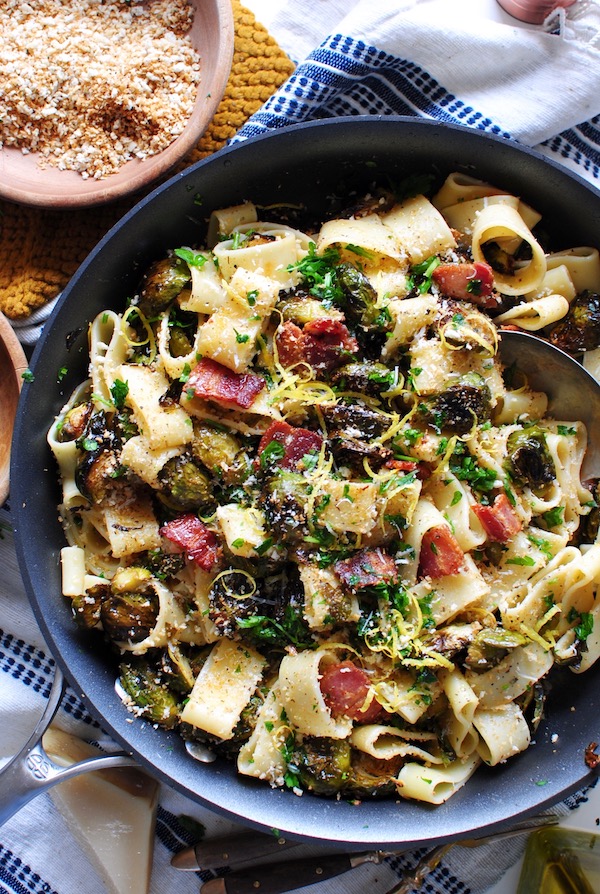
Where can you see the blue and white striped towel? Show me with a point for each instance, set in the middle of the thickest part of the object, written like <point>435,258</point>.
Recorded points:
<point>451,61</point>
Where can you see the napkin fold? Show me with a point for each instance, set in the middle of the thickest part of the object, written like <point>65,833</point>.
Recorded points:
<point>450,61</point>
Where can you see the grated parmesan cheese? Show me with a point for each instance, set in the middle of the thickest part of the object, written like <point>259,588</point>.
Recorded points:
<point>91,84</point>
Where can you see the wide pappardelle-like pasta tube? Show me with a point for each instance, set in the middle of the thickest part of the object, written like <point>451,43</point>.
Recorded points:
<point>326,531</point>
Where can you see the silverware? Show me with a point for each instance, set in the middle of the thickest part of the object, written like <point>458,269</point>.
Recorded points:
<point>573,392</point>
<point>231,850</point>
<point>288,875</point>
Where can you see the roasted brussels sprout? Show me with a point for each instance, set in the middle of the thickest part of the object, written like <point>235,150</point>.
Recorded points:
<point>529,459</point>
<point>589,527</point>
<point>162,565</point>
<point>361,297</point>
<point>161,284</point>
<point>184,485</point>
<point>96,475</point>
<point>279,613</point>
<point>87,607</point>
<point>464,403</point>
<point>533,703</point>
<point>181,665</point>
<point>99,468</point>
<point>490,646</point>
<point>370,777</point>
<point>322,765</point>
<point>242,730</point>
<point>352,453</point>
<point>146,687</point>
<point>354,421</point>
<point>179,343</point>
<point>364,377</point>
<point>231,597</point>
<point>580,329</point>
<point>450,640</point>
<point>302,308</point>
<point>75,422</point>
<point>221,453</point>
<point>129,612</point>
<point>283,498</point>
<point>498,258</point>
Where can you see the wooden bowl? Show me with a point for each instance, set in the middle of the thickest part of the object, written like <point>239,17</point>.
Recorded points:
<point>13,364</point>
<point>22,179</point>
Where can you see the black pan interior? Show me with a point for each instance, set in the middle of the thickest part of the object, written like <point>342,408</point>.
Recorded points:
<point>311,165</point>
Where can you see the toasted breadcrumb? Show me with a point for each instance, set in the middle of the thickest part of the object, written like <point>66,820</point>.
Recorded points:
<point>91,84</point>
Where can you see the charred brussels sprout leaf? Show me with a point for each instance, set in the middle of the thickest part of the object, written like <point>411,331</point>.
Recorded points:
<point>580,329</point>
<point>322,765</point>
<point>529,458</point>
<point>148,690</point>
<point>162,283</point>
<point>490,646</point>
<point>463,404</point>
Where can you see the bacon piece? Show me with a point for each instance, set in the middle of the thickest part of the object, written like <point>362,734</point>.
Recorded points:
<point>500,521</point>
<point>323,344</point>
<point>440,553</point>
<point>367,568</point>
<point>592,760</point>
<point>467,282</point>
<point>199,543</point>
<point>296,442</point>
<point>345,688</point>
<point>213,381</point>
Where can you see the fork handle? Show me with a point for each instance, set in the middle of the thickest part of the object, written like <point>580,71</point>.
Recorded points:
<point>276,878</point>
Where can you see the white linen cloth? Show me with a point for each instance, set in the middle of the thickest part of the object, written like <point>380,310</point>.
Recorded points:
<point>463,61</point>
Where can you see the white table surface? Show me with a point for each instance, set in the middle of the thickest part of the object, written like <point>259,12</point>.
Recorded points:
<point>298,27</point>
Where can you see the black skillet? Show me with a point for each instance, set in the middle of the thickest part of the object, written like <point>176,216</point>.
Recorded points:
<point>312,165</point>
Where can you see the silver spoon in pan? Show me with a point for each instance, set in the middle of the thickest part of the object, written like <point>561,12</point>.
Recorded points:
<point>574,394</point>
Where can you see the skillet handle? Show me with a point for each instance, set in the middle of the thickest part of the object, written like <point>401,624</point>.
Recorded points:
<point>32,771</point>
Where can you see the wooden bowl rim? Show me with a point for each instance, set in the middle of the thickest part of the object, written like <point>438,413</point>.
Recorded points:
<point>11,351</point>
<point>22,181</point>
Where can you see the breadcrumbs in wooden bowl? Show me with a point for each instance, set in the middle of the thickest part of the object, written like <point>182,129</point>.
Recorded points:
<point>13,364</point>
<point>99,98</point>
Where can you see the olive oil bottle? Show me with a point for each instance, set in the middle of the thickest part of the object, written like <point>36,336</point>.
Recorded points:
<point>561,861</point>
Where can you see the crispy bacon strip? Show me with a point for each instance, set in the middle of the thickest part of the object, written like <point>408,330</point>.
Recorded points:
<point>467,282</point>
<point>296,442</point>
<point>367,568</point>
<point>440,553</point>
<point>213,381</point>
<point>199,543</point>
<point>323,344</point>
<point>500,521</point>
<point>345,688</point>
<point>592,760</point>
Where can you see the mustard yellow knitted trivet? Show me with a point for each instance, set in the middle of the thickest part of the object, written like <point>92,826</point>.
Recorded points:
<point>40,249</point>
